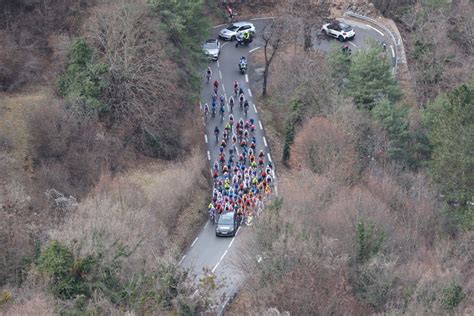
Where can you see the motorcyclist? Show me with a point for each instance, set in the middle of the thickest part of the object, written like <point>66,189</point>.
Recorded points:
<point>243,63</point>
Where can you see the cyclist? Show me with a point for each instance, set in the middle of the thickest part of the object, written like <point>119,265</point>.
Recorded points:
<point>214,105</point>
<point>206,110</point>
<point>246,107</point>
<point>216,132</point>
<point>222,99</point>
<point>208,74</point>
<point>241,100</point>
<point>236,88</point>
<point>241,91</point>
<point>216,86</point>
<point>231,104</point>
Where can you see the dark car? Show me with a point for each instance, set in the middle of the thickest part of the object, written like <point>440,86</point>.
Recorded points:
<point>227,224</point>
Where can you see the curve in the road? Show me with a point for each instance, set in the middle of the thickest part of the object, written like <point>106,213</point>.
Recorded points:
<point>209,253</point>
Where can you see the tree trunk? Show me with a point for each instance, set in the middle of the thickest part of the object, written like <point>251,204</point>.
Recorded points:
<point>265,78</point>
<point>307,36</point>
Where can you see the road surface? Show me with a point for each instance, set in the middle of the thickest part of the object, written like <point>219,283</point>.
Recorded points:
<point>208,253</point>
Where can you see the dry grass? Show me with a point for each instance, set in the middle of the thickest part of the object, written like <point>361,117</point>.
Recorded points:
<point>155,210</point>
<point>32,305</point>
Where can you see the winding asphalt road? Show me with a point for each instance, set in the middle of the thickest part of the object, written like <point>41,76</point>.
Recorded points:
<point>217,255</point>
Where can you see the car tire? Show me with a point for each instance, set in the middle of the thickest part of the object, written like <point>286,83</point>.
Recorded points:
<point>233,38</point>
<point>324,32</point>
<point>341,38</point>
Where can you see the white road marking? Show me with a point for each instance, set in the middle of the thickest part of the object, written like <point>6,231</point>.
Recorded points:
<point>254,49</point>
<point>208,155</point>
<point>380,32</point>
<point>232,241</point>
<point>224,44</point>
<point>205,226</point>
<point>205,138</point>
<point>237,150</point>
<point>200,105</point>
<point>265,141</point>
<point>218,64</point>
<point>255,108</point>
<point>223,88</point>
<point>265,18</point>
<point>250,92</point>
<point>276,190</point>
<point>203,122</point>
<point>194,242</point>
<point>269,157</point>
<point>260,123</point>
<point>246,78</point>
<point>393,51</point>
<point>215,27</point>
<point>215,267</point>
<point>211,172</point>
<point>353,44</point>
<point>182,259</point>
<point>237,232</point>
<point>220,74</point>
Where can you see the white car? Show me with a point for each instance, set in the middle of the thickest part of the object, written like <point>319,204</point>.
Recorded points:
<point>212,49</point>
<point>339,30</point>
<point>231,32</point>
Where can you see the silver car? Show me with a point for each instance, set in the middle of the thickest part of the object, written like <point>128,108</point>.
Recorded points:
<point>212,49</point>
<point>231,32</point>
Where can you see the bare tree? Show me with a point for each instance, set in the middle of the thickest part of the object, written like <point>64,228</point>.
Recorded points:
<point>273,37</point>
<point>312,13</point>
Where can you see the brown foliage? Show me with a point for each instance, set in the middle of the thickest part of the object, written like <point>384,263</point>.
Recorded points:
<point>143,90</point>
<point>25,28</point>
<point>69,150</point>
<point>152,211</point>
<point>322,147</point>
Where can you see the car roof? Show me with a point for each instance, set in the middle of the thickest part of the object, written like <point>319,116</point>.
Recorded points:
<point>227,215</point>
<point>242,23</point>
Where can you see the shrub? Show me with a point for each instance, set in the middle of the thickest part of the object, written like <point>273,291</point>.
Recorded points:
<point>452,296</point>
<point>294,117</point>
<point>66,273</point>
<point>83,81</point>
<point>369,241</point>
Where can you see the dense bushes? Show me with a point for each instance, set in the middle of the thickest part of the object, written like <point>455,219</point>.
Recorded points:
<point>83,82</point>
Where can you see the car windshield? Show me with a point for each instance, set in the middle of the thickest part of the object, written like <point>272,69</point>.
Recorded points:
<point>346,27</point>
<point>226,220</point>
<point>210,45</point>
<point>232,27</point>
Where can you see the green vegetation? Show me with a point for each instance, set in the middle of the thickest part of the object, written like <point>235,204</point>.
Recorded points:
<point>340,64</point>
<point>450,123</point>
<point>295,116</point>
<point>369,241</point>
<point>187,27</point>
<point>83,82</point>
<point>371,79</point>
<point>80,278</point>
<point>452,296</point>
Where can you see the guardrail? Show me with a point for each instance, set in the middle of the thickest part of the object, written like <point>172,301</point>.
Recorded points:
<point>395,39</point>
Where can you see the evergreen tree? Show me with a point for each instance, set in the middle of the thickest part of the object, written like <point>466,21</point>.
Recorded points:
<point>371,79</point>
<point>450,122</point>
<point>394,120</point>
<point>340,63</point>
